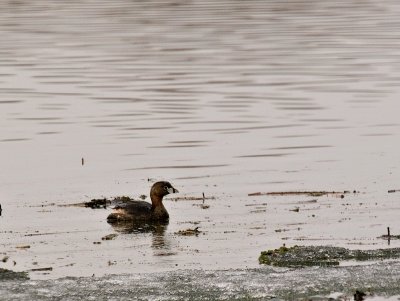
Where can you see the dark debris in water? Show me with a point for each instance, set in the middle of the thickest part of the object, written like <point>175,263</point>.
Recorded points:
<point>109,236</point>
<point>102,203</point>
<point>189,232</point>
<point>41,269</point>
<point>98,203</point>
<point>299,256</point>
<point>120,200</point>
<point>389,237</point>
<point>191,198</point>
<point>359,295</point>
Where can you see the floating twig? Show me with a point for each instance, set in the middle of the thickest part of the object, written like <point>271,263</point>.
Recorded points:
<point>389,236</point>
<point>202,205</point>
<point>41,269</point>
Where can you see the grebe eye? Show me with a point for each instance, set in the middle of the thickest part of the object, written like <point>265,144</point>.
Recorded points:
<point>169,189</point>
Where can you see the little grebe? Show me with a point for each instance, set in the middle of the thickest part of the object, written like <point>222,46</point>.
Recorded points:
<point>140,210</point>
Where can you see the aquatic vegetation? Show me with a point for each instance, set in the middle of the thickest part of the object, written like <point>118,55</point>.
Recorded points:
<point>101,203</point>
<point>321,255</point>
<point>11,275</point>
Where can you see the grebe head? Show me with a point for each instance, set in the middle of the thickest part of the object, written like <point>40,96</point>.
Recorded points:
<point>162,188</point>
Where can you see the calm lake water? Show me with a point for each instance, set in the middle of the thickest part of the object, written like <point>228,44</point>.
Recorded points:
<point>225,98</point>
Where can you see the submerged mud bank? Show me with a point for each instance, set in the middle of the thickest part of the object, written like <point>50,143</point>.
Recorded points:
<point>299,256</point>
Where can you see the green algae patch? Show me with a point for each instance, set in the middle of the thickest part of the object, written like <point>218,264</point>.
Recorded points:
<point>11,275</point>
<point>299,256</point>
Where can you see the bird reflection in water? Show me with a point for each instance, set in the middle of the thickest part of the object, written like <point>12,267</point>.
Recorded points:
<point>156,228</point>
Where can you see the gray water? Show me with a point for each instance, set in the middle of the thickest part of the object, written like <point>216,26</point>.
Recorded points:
<point>225,98</point>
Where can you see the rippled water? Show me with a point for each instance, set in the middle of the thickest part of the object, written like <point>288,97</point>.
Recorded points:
<point>222,97</point>
<point>257,94</point>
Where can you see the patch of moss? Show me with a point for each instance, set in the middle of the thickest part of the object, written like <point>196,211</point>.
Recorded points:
<point>321,255</point>
<point>11,275</point>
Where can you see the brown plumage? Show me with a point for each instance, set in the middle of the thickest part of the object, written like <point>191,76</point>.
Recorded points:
<point>144,211</point>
